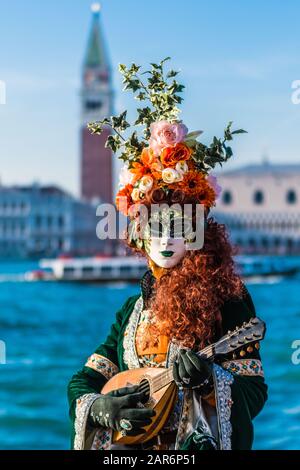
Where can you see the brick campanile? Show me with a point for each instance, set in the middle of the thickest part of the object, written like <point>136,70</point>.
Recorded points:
<point>96,103</point>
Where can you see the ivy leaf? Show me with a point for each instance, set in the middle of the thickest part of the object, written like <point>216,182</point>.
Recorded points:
<point>239,131</point>
<point>144,116</point>
<point>98,126</point>
<point>227,132</point>
<point>141,96</point>
<point>134,69</point>
<point>119,122</point>
<point>172,73</point>
<point>113,142</point>
<point>122,68</point>
<point>132,84</point>
<point>165,60</point>
<point>228,152</point>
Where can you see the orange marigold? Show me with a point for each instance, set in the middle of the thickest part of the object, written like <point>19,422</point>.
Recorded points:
<point>207,196</point>
<point>123,199</point>
<point>195,184</point>
<point>170,156</point>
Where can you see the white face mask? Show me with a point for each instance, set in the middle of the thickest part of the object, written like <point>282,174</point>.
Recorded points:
<point>164,242</point>
<point>166,252</point>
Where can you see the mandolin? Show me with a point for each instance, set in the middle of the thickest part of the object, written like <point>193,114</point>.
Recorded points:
<point>158,383</point>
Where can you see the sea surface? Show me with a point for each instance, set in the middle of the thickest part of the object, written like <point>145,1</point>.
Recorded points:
<point>51,328</point>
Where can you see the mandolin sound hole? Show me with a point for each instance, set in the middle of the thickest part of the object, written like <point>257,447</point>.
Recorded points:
<point>145,387</point>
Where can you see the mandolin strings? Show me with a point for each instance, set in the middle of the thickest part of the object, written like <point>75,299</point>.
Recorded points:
<point>165,377</point>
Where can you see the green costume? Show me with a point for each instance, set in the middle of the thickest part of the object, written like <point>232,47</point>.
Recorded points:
<point>239,387</point>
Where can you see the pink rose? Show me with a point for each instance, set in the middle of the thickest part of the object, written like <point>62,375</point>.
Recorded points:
<point>214,184</point>
<point>164,134</point>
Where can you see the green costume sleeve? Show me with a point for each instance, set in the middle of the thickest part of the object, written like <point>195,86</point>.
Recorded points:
<point>248,390</point>
<point>101,365</point>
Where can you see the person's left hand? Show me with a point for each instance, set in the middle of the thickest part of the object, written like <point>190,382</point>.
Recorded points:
<point>191,371</point>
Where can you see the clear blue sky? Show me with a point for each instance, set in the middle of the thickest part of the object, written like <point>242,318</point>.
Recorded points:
<point>238,60</point>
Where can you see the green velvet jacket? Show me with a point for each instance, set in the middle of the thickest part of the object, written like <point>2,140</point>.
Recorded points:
<point>238,380</point>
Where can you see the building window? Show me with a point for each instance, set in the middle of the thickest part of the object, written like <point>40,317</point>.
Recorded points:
<point>258,197</point>
<point>252,242</point>
<point>277,242</point>
<point>291,196</point>
<point>61,221</point>
<point>227,197</point>
<point>93,105</point>
<point>38,221</point>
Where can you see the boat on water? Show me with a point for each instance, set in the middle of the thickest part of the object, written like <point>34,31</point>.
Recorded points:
<point>131,269</point>
<point>96,269</point>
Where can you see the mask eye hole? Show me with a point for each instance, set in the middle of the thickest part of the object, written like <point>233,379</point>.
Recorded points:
<point>156,229</point>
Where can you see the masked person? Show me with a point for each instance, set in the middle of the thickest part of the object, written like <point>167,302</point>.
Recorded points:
<point>190,297</point>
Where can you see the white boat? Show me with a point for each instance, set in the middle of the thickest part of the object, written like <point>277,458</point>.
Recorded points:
<point>131,269</point>
<point>97,269</point>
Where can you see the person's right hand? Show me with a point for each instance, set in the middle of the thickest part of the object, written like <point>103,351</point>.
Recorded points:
<point>108,410</point>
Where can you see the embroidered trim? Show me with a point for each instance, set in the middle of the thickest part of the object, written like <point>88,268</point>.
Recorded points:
<point>244,367</point>
<point>172,353</point>
<point>103,365</point>
<point>223,380</point>
<point>186,407</point>
<point>83,405</point>
<point>102,439</point>
<point>130,355</point>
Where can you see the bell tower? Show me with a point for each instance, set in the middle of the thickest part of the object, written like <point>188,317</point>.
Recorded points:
<point>96,103</point>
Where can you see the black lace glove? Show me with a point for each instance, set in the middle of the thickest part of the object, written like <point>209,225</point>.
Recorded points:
<point>191,371</point>
<point>119,407</point>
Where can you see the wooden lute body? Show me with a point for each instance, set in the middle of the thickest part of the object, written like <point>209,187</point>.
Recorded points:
<point>159,384</point>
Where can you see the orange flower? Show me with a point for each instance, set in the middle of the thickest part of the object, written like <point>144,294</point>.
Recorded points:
<point>195,184</point>
<point>172,155</point>
<point>207,196</point>
<point>192,182</point>
<point>150,165</point>
<point>123,199</point>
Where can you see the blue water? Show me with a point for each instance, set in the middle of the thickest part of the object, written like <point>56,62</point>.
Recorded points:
<point>50,329</point>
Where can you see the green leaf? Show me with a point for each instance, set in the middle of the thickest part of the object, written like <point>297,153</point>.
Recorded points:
<point>228,152</point>
<point>119,122</point>
<point>193,135</point>
<point>132,84</point>
<point>98,126</point>
<point>172,73</point>
<point>141,96</point>
<point>122,68</point>
<point>113,142</point>
<point>134,69</point>
<point>165,60</point>
<point>239,131</point>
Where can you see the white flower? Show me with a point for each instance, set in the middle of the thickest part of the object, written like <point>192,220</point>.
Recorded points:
<point>146,183</point>
<point>135,195</point>
<point>182,167</point>
<point>125,176</point>
<point>169,175</point>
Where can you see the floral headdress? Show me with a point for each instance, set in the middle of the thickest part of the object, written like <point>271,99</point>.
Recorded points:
<point>167,156</point>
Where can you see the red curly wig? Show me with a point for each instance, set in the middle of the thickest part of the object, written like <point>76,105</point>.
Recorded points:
<point>188,298</point>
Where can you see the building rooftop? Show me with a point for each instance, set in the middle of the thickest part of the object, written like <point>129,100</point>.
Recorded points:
<point>263,169</point>
<point>44,190</point>
<point>96,56</point>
